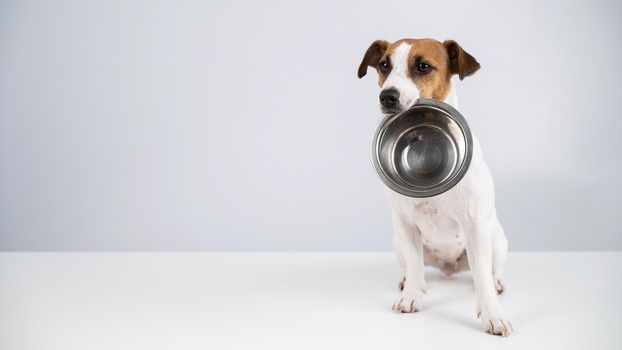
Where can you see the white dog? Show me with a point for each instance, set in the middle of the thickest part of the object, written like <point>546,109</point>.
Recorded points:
<point>455,230</point>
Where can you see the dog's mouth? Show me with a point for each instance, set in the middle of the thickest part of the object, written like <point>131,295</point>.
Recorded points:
<point>392,110</point>
<point>397,109</point>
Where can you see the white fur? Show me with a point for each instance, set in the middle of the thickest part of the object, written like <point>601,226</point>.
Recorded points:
<point>438,230</point>
<point>399,78</point>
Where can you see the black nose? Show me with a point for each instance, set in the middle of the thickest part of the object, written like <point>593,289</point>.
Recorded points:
<point>389,97</point>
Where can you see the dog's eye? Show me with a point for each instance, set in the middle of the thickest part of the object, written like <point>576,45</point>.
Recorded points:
<point>384,66</point>
<point>424,67</point>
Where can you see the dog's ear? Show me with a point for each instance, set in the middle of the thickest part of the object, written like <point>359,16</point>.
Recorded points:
<point>372,56</point>
<point>460,62</point>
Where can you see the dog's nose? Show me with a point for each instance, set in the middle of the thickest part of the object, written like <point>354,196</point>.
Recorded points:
<point>389,97</point>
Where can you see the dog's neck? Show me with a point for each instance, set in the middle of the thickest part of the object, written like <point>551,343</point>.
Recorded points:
<point>452,98</point>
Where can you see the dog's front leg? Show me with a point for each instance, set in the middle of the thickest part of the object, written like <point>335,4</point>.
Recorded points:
<point>479,253</point>
<point>408,238</point>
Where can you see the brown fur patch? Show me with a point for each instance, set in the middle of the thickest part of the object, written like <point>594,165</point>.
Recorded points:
<point>435,84</point>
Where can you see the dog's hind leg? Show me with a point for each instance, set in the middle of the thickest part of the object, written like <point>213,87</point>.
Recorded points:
<point>499,253</point>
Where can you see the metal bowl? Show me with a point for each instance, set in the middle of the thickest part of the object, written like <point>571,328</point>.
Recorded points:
<point>424,150</point>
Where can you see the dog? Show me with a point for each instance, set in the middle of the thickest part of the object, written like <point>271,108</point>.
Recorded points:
<point>456,230</point>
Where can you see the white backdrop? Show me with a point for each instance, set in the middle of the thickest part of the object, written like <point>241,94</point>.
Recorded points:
<point>241,125</point>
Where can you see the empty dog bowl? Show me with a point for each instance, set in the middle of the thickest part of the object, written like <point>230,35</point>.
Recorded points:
<point>424,150</point>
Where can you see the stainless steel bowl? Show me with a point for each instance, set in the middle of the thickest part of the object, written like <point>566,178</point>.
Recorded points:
<point>424,150</point>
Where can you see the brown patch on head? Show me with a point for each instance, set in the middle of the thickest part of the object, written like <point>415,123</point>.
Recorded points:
<point>431,64</point>
<point>435,83</point>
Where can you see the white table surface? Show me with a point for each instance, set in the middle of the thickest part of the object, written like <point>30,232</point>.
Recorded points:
<point>295,301</point>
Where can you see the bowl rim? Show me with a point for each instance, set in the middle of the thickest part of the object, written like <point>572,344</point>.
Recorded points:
<point>445,186</point>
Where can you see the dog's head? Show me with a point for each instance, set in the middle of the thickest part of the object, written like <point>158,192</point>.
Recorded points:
<point>409,69</point>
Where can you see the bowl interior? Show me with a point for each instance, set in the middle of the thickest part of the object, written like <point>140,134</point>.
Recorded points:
<point>420,151</point>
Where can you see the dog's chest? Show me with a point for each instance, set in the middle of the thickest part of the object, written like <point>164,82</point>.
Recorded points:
<point>442,236</point>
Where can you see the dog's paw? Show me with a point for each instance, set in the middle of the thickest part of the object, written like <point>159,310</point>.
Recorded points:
<point>408,302</point>
<point>495,323</point>
<point>499,286</point>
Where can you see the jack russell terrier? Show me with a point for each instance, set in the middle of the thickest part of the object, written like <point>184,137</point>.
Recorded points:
<point>455,230</point>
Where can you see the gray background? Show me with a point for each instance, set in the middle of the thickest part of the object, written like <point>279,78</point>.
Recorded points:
<point>241,125</point>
